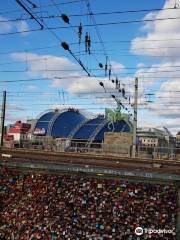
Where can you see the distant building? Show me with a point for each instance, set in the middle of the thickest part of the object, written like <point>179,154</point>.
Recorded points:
<point>178,140</point>
<point>32,122</point>
<point>153,137</point>
<point>73,124</point>
<point>18,131</point>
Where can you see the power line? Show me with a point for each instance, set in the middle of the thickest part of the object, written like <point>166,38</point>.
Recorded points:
<point>63,44</point>
<point>93,92</point>
<point>94,42</point>
<point>27,10</point>
<point>123,73</point>
<point>45,5</point>
<point>88,14</point>
<point>91,25</point>
<point>92,69</point>
<point>67,21</point>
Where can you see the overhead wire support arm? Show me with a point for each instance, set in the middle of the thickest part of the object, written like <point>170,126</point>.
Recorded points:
<point>27,10</point>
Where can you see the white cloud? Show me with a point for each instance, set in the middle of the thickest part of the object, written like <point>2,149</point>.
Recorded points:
<point>159,30</point>
<point>162,78</point>
<point>71,78</point>
<point>117,67</point>
<point>31,87</point>
<point>159,72</point>
<point>141,65</point>
<point>149,26</point>
<point>168,100</point>
<point>4,25</point>
<point>48,66</point>
<point>85,85</point>
<point>7,26</point>
<point>22,26</point>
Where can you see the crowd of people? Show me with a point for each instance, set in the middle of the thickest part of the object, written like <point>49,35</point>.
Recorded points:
<point>71,207</point>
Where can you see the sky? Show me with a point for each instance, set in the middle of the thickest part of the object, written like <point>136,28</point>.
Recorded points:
<point>137,38</point>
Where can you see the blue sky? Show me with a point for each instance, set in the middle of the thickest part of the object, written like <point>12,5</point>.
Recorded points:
<point>148,50</point>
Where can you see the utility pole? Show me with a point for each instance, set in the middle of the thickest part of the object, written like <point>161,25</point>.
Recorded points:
<point>3,117</point>
<point>135,118</point>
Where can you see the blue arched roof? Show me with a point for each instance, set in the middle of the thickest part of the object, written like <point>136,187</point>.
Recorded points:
<point>88,128</point>
<point>44,120</point>
<point>120,126</point>
<point>59,123</point>
<point>71,123</point>
<point>95,128</point>
<point>65,122</point>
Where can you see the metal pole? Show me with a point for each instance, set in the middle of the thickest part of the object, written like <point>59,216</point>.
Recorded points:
<point>135,118</point>
<point>3,116</point>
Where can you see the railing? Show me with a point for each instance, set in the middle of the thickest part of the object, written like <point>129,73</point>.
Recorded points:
<point>48,144</point>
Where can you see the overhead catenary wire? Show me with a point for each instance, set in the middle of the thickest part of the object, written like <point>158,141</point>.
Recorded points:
<point>96,42</point>
<point>63,45</point>
<point>91,25</point>
<point>104,50</point>
<point>52,16</point>
<point>96,69</point>
<point>29,12</point>
<point>66,47</point>
<point>44,5</point>
<point>143,74</point>
<point>42,58</point>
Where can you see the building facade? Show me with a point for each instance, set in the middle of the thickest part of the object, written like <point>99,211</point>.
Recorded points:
<point>18,131</point>
<point>154,137</point>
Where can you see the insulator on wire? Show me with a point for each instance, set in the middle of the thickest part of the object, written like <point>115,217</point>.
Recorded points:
<point>65,18</point>
<point>102,85</point>
<point>117,83</point>
<point>112,80</point>
<point>113,96</point>
<point>106,67</point>
<point>123,92</point>
<point>89,44</point>
<point>65,46</point>
<point>109,72</point>
<point>100,65</point>
<point>105,70</point>
<point>129,100</point>
<point>86,42</point>
<point>80,32</point>
<point>119,102</point>
<point>119,90</point>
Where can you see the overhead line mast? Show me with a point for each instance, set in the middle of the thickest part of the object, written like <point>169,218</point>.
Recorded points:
<point>135,106</point>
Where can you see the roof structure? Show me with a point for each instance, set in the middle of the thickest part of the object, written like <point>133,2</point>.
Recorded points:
<point>58,123</point>
<point>70,123</point>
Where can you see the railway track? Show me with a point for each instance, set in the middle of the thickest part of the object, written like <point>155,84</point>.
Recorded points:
<point>114,162</point>
<point>19,152</point>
